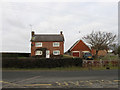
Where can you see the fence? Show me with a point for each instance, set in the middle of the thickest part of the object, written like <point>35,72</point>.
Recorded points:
<point>101,63</point>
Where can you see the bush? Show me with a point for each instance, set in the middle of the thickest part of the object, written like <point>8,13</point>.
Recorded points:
<point>119,51</point>
<point>40,63</point>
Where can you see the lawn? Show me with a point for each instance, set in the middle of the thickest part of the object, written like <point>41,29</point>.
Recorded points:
<point>73,68</point>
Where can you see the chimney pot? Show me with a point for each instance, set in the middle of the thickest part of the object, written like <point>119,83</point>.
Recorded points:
<point>32,33</point>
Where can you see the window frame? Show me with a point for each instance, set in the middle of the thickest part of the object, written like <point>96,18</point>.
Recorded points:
<point>40,52</point>
<point>56,45</point>
<point>39,44</point>
<point>57,52</point>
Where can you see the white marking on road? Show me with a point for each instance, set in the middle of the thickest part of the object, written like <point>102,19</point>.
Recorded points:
<point>66,83</point>
<point>14,84</point>
<point>116,80</point>
<point>38,85</point>
<point>28,79</point>
<point>58,83</point>
<point>102,80</point>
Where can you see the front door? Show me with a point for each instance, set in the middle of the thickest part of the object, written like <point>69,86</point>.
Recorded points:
<point>47,53</point>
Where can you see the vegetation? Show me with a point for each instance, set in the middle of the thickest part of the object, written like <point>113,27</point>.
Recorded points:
<point>67,56</point>
<point>109,56</point>
<point>119,51</point>
<point>114,48</point>
<point>73,68</point>
<point>100,40</point>
<point>40,63</point>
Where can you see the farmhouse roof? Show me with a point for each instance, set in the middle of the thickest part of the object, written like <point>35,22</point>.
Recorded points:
<point>47,37</point>
<point>76,44</point>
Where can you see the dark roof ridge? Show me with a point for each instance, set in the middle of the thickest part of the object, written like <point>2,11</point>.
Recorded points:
<point>45,34</point>
<point>47,37</point>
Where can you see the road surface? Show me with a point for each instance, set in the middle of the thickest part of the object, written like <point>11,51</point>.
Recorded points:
<point>60,79</point>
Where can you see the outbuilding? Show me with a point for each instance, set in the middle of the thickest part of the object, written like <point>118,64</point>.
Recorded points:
<point>77,49</point>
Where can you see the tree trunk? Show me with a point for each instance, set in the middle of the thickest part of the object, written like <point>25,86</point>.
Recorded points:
<point>96,55</point>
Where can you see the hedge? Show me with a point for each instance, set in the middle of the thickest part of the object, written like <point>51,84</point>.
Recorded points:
<point>7,54</point>
<point>40,63</point>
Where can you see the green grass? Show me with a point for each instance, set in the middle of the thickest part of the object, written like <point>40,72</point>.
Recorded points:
<point>73,68</point>
<point>67,56</point>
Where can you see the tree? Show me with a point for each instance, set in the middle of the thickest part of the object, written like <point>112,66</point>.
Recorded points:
<point>119,51</point>
<point>100,40</point>
<point>114,48</point>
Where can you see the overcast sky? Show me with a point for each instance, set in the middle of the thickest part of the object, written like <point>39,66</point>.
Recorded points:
<point>51,18</point>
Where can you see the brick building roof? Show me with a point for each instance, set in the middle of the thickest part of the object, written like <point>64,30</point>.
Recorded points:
<point>79,45</point>
<point>47,37</point>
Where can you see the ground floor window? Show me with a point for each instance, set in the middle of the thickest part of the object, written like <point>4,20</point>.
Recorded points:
<point>56,52</point>
<point>38,52</point>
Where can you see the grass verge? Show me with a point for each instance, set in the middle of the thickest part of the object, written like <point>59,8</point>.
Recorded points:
<point>62,68</point>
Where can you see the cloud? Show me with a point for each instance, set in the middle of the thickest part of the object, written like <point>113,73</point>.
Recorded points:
<point>53,17</point>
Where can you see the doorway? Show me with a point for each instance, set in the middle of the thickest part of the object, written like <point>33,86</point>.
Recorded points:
<point>47,53</point>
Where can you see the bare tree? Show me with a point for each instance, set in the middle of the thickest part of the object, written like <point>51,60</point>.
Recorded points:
<point>100,40</point>
<point>114,48</point>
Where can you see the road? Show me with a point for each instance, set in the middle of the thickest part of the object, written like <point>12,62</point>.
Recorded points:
<point>60,79</point>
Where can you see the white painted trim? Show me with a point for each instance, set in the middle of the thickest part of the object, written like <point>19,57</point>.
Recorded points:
<point>75,45</point>
<point>78,42</point>
<point>38,52</point>
<point>56,45</point>
<point>75,51</point>
<point>55,51</point>
<point>38,44</point>
<point>47,53</point>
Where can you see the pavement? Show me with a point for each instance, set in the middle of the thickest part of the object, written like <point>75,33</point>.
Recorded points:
<point>60,79</point>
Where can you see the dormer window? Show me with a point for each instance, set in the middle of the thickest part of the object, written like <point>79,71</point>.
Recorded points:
<point>56,44</point>
<point>38,44</point>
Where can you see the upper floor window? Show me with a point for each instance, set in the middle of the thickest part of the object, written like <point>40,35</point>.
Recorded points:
<point>56,52</point>
<point>38,44</point>
<point>56,44</point>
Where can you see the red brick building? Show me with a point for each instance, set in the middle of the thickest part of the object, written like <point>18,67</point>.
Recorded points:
<point>100,52</point>
<point>77,49</point>
<point>47,45</point>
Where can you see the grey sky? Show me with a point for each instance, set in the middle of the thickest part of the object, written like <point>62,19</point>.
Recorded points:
<point>51,18</point>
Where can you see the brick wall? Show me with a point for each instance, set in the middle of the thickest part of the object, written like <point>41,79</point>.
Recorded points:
<point>49,46</point>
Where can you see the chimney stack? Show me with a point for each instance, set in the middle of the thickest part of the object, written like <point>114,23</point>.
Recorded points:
<point>32,33</point>
<point>61,32</point>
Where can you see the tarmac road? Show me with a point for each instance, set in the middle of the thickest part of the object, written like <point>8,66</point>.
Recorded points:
<point>58,79</point>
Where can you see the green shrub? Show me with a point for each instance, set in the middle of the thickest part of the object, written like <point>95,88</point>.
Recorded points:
<point>40,63</point>
<point>119,51</point>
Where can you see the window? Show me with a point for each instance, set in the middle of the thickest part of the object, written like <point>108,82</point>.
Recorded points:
<point>56,44</point>
<point>56,52</point>
<point>38,44</point>
<point>38,52</point>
